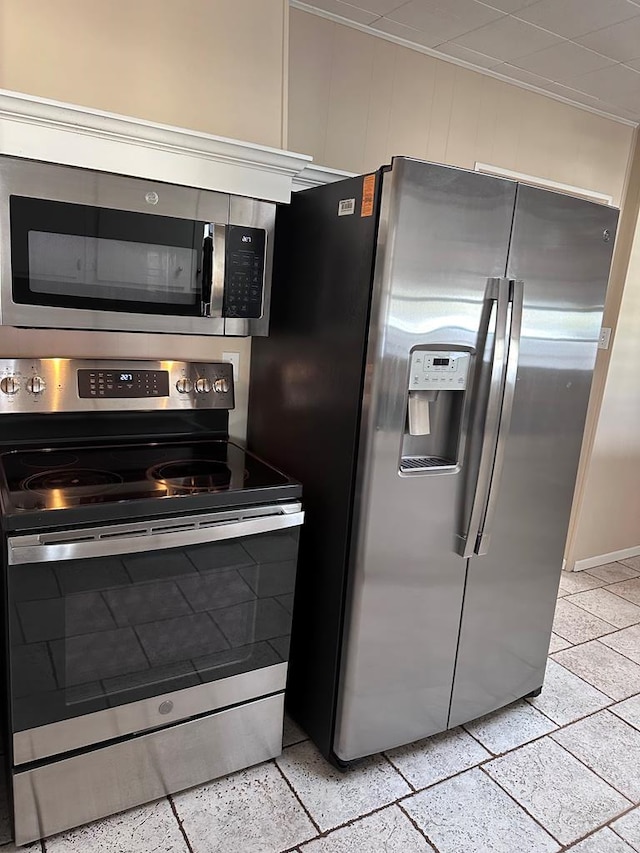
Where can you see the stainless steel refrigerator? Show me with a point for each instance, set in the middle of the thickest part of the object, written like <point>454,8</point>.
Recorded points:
<point>434,332</point>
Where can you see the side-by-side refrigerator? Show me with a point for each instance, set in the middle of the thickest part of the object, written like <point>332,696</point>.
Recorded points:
<point>433,337</point>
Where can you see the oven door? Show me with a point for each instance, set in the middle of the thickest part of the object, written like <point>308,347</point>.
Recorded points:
<point>126,628</point>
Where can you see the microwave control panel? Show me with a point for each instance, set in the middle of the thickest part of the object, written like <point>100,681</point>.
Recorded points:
<point>439,370</point>
<point>244,272</point>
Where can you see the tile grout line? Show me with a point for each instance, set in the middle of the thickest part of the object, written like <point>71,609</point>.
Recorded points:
<point>324,833</point>
<point>297,796</point>
<point>601,618</point>
<point>478,741</point>
<point>575,841</point>
<point>618,562</point>
<point>609,784</point>
<point>582,642</point>
<point>524,809</point>
<point>417,827</point>
<point>560,726</point>
<point>399,772</point>
<point>596,830</point>
<point>622,654</point>
<point>596,640</point>
<point>614,830</point>
<point>180,824</point>
<point>593,770</point>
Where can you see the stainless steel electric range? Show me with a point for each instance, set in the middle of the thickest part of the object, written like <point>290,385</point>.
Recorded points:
<point>149,566</point>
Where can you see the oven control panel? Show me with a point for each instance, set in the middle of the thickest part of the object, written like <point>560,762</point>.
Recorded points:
<point>130,382</point>
<point>71,385</point>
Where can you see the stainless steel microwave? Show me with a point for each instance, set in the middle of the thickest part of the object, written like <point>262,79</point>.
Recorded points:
<point>90,250</point>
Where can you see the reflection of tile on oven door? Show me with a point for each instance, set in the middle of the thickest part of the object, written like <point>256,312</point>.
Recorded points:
<point>83,693</point>
<point>219,555</point>
<point>211,591</point>
<point>286,601</point>
<point>252,622</point>
<point>53,618</point>
<point>146,602</point>
<point>94,574</point>
<point>38,582</point>
<point>91,657</point>
<point>281,645</point>
<point>158,565</point>
<point>269,579</point>
<point>180,639</point>
<point>269,547</point>
<point>234,661</point>
<point>38,709</point>
<point>15,628</point>
<point>31,670</point>
<point>150,682</point>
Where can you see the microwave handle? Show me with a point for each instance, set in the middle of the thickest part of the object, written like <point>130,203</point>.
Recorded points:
<point>219,247</point>
<point>207,270</point>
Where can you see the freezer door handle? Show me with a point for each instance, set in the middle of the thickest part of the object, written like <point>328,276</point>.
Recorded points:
<point>516,294</point>
<point>496,301</point>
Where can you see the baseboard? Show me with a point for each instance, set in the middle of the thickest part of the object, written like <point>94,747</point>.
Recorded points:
<point>592,562</point>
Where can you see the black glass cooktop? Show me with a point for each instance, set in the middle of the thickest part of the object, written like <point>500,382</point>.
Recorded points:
<point>37,480</point>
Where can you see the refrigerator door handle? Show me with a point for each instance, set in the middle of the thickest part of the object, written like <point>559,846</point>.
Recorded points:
<point>496,296</point>
<point>516,294</point>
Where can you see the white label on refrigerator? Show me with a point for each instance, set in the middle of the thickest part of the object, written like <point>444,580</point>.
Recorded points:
<point>346,207</point>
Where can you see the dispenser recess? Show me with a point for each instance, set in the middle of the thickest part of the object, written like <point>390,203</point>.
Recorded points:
<point>435,397</point>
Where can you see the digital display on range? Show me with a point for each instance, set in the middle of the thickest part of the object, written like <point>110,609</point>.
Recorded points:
<point>441,362</point>
<point>123,384</point>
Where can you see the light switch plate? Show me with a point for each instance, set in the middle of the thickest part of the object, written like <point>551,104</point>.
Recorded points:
<point>605,337</point>
<point>234,358</point>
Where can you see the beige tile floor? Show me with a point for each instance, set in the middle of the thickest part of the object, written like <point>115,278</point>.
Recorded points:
<point>558,772</point>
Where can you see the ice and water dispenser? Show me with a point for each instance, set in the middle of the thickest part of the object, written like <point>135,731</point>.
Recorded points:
<point>435,404</point>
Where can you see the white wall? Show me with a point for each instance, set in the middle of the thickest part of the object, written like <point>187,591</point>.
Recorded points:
<point>608,520</point>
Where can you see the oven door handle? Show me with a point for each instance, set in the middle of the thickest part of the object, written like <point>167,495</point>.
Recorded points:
<point>151,536</point>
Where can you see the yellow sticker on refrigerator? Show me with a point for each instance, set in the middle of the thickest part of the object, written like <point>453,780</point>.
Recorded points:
<point>368,189</point>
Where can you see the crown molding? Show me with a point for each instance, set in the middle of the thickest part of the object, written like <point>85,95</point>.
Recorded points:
<point>41,129</point>
<point>316,176</point>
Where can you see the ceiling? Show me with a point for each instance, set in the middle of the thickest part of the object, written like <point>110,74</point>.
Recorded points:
<point>585,51</point>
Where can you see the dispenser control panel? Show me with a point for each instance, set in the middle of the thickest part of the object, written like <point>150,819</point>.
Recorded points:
<point>439,370</point>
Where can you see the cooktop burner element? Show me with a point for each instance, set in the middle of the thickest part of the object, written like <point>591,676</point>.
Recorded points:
<point>89,481</point>
<point>50,459</point>
<point>192,475</point>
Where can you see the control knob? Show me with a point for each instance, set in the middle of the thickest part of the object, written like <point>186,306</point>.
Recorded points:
<point>9,385</point>
<point>221,386</point>
<point>36,385</point>
<point>184,386</point>
<point>203,385</point>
